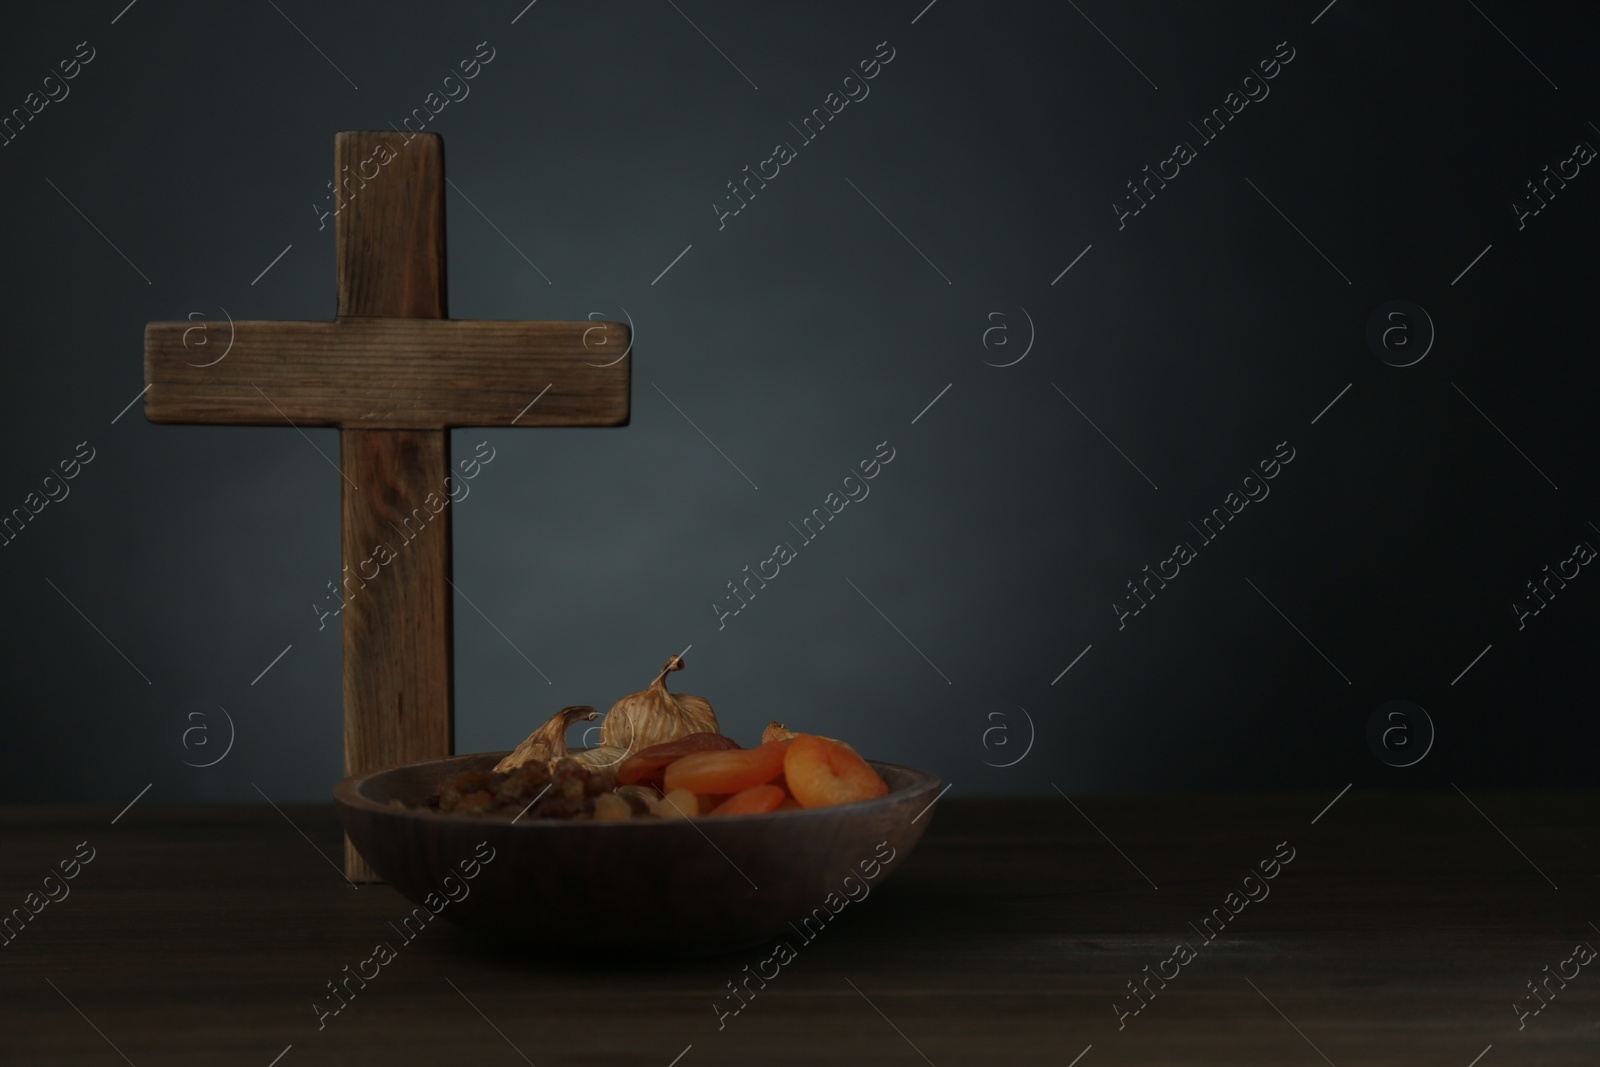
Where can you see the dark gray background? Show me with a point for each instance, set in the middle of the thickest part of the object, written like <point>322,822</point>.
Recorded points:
<point>802,335</point>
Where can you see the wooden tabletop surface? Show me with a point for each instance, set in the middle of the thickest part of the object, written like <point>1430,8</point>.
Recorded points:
<point>1401,929</point>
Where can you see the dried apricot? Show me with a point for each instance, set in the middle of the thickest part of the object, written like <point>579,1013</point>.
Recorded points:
<point>753,801</point>
<point>821,772</point>
<point>731,771</point>
<point>646,764</point>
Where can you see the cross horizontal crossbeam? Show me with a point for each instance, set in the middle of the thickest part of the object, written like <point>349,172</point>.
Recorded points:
<point>392,374</point>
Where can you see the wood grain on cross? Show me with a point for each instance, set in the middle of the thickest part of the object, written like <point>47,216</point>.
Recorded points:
<point>394,375</point>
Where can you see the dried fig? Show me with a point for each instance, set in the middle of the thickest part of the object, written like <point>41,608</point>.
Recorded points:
<point>548,745</point>
<point>549,742</point>
<point>640,720</point>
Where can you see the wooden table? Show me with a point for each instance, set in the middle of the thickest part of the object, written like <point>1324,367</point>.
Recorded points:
<point>1402,932</point>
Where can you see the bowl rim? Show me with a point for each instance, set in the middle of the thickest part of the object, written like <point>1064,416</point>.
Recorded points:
<point>348,793</point>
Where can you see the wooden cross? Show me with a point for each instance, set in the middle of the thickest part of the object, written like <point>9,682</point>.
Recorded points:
<point>394,375</point>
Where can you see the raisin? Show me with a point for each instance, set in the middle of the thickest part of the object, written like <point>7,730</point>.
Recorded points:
<point>533,773</point>
<point>475,803</point>
<point>515,787</point>
<point>561,807</point>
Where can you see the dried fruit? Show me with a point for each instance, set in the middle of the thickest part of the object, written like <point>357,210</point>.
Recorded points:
<point>652,743</point>
<point>475,803</point>
<point>640,720</point>
<point>822,772</point>
<point>609,807</point>
<point>453,788</point>
<point>752,801</point>
<point>640,798</point>
<point>776,731</point>
<point>508,795</point>
<point>548,745</point>
<point>727,772</point>
<point>647,764</point>
<point>677,804</point>
<point>522,784</point>
<point>549,741</point>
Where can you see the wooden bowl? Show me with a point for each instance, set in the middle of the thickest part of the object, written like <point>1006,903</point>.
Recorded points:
<point>678,887</point>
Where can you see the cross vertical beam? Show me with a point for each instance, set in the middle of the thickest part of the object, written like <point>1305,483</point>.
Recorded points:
<point>399,699</point>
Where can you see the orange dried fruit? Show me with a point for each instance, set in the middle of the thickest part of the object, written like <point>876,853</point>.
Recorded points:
<point>647,764</point>
<point>821,772</point>
<point>753,801</point>
<point>731,771</point>
<point>777,731</point>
